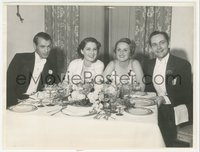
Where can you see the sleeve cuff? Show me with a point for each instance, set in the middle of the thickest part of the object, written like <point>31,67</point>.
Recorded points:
<point>167,101</point>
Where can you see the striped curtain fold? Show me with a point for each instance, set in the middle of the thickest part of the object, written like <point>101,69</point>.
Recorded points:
<point>62,23</point>
<point>149,19</point>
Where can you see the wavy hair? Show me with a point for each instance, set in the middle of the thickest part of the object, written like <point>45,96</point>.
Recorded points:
<point>84,42</point>
<point>131,44</point>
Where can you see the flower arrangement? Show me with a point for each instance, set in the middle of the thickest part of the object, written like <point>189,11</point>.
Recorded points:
<point>126,85</point>
<point>78,94</point>
<point>104,99</point>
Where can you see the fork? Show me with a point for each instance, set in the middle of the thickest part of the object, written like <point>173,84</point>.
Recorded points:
<point>58,110</point>
<point>52,110</point>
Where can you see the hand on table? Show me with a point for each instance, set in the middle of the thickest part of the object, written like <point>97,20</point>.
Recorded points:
<point>159,100</point>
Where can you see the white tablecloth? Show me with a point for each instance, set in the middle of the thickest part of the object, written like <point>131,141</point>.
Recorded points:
<point>39,130</point>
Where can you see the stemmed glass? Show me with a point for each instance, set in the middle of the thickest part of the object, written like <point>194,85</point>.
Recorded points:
<point>119,109</point>
<point>51,94</point>
<point>137,86</point>
<point>40,96</point>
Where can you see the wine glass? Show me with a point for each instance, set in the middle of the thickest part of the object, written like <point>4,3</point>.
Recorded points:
<point>119,109</point>
<point>40,96</point>
<point>137,86</point>
<point>51,95</point>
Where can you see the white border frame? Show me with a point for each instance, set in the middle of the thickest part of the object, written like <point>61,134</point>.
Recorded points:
<point>195,3</point>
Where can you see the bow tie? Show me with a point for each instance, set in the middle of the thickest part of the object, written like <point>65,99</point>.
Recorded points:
<point>42,61</point>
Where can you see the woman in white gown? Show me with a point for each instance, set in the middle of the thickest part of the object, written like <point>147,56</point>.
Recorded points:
<point>124,67</point>
<point>87,67</point>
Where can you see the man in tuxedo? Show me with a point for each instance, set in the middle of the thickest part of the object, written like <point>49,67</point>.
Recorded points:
<point>170,77</point>
<point>29,72</point>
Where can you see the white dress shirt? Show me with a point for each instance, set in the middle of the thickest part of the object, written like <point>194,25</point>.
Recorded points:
<point>38,67</point>
<point>159,82</point>
<point>159,77</point>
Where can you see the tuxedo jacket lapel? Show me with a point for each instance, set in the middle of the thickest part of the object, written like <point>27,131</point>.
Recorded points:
<point>30,69</point>
<point>152,66</point>
<point>43,77</point>
<point>170,72</point>
<point>27,68</point>
<point>148,74</point>
<point>170,66</point>
<point>31,63</point>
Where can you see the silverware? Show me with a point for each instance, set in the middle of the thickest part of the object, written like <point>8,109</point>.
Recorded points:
<point>55,112</point>
<point>52,110</point>
<point>59,110</point>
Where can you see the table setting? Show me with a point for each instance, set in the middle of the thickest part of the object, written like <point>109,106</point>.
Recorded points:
<point>85,112</point>
<point>81,100</point>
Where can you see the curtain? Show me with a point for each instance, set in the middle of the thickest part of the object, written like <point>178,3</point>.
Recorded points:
<point>149,19</point>
<point>62,23</point>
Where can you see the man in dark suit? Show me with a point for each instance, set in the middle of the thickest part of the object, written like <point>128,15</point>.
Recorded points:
<point>170,77</point>
<point>29,72</point>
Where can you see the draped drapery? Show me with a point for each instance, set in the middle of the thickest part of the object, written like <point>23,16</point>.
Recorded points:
<point>148,19</point>
<point>62,23</point>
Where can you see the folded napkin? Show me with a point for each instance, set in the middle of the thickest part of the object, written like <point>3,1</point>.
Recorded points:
<point>41,94</point>
<point>181,114</point>
<point>77,111</point>
<point>147,95</point>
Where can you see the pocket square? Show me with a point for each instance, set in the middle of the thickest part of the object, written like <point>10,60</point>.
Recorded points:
<point>174,81</point>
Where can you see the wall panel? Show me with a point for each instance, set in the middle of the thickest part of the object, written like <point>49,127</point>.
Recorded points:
<point>20,35</point>
<point>92,24</point>
<point>121,24</point>
<point>182,34</point>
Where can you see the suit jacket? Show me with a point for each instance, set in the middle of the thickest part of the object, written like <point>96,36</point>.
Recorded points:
<point>19,75</point>
<point>178,81</point>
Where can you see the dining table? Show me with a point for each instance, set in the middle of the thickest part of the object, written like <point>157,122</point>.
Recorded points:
<point>49,127</point>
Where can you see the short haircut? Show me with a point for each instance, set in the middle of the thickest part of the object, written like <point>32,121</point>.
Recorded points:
<point>84,42</point>
<point>43,35</point>
<point>156,33</point>
<point>131,44</point>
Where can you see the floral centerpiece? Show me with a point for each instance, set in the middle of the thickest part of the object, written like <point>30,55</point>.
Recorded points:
<point>126,83</point>
<point>78,94</point>
<point>109,97</point>
<point>104,99</point>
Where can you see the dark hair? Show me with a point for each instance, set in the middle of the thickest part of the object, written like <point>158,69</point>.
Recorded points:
<point>156,33</point>
<point>41,35</point>
<point>131,44</point>
<point>84,42</point>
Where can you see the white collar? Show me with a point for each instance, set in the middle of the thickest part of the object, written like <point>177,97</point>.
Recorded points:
<point>39,59</point>
<point>163,60</point>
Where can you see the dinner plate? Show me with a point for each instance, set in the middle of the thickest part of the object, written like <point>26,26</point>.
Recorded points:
<point>139,111</point>
<point>139,94</point>
<point>78,103</point>
<point>78,111</point>
<point>142,102</point>
<point>29,101</point>
<point>23,108</point>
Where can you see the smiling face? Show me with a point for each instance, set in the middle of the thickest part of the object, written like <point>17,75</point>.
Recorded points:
<point>90,51</point>
<point>43,47</point>
<point>159,46</point>
<point>122,51</point>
